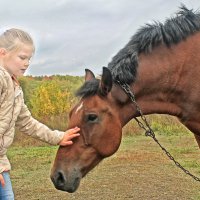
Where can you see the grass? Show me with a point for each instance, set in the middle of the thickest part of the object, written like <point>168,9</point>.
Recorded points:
<point>139,170</point>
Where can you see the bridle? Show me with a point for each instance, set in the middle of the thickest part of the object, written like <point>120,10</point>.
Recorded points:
<point>147,128</point>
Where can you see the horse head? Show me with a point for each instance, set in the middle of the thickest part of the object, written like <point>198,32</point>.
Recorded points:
<point>100,134</point>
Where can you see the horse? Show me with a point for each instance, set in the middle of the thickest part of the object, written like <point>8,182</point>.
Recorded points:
<point>161,65</point>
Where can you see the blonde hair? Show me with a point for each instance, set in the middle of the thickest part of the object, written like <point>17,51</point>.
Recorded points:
<point>11,39</point>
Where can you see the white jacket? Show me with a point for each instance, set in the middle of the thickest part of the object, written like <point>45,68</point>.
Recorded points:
<point>14,113</point>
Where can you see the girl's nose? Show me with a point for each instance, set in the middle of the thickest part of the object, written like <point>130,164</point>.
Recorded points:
<point>27,63</point>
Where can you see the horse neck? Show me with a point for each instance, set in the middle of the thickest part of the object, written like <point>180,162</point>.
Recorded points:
<point>161,81</point>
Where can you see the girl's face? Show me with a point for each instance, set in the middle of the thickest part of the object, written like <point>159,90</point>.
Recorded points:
<point>17,61</point>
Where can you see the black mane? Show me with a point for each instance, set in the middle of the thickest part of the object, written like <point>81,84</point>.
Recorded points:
<point>124,65</point>
<point>89,88</point>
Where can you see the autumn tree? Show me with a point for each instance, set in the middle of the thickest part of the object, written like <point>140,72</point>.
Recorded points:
<point>49,99</point>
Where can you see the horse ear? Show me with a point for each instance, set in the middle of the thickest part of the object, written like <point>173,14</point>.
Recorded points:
<point>89,75</point>
<point>106,82</point>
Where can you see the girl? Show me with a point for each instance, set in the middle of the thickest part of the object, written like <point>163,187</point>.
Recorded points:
<point>16,50</point>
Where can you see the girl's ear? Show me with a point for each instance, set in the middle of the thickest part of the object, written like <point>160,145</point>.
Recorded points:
<point>3,51</point>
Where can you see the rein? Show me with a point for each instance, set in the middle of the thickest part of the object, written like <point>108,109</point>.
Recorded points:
<point>148,130</point>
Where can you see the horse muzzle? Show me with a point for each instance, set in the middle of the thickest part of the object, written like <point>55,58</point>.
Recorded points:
<point>65,182</point>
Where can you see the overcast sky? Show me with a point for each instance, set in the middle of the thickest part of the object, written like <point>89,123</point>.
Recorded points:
<point>71,35</point>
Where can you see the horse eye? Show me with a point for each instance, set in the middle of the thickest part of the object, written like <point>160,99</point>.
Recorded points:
<point>92,118</point>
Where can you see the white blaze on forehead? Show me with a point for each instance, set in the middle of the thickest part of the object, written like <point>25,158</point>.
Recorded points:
<point>79,107</point>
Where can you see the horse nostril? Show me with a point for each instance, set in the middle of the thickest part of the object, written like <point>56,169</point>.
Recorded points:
<point>60,180</point>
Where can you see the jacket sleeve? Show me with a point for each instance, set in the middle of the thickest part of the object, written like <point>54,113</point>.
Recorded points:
<point>4,109</point>
<point>1,86</point>
<point>28,125</point>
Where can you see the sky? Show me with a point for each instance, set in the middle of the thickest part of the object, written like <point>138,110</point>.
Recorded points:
<point>71,35</point>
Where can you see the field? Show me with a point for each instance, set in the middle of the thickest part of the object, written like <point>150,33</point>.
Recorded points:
<point>139,170</point>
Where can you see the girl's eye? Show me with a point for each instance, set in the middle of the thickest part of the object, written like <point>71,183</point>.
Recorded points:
<point>22,58</point>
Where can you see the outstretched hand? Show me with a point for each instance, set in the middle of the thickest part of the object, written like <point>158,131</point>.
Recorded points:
<point>69,135</point>
<point>2,182</point>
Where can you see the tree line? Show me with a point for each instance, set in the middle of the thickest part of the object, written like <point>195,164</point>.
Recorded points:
<point>50,98</point>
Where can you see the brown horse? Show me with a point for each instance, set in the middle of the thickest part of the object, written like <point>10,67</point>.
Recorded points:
<point>161,63</point>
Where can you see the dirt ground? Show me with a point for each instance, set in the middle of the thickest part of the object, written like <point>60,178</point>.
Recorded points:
<point>139,170</point>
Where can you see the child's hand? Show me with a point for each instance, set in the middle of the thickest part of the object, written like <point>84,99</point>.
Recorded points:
<point>2,182</point>
<point>69,135</point>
